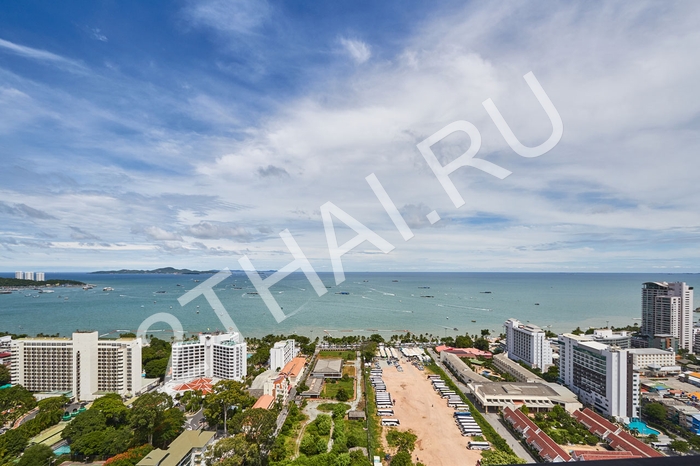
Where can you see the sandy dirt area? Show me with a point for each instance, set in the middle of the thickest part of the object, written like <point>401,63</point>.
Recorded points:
<point>420,409</point>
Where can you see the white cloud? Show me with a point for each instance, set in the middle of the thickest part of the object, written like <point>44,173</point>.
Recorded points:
<point>40,55</point>
<point>356,49</point>
<point>159,234</point>
<point>237,16</point>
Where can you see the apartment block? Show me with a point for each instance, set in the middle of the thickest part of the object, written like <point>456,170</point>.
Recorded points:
<point>527,343</point>
<point>667,309</point>
<point>221,356</point>
<point>83,365</point>
<point>281,354</point>
<point>602,376</point>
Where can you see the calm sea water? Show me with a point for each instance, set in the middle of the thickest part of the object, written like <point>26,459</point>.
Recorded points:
<point>376,303</point>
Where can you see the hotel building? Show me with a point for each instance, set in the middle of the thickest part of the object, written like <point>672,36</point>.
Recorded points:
<point>84,366</point>
<point>527,343</point>
<point>281,354</point>
<point>602,376</point>
<point>19,275</point>
<point>667,309</point>
<point>216,356</point>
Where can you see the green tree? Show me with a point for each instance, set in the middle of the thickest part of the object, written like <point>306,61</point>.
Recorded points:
<point>525,409</point>
<point>402,458</point>
<point>36,455</point>
<point>257,425</point>
<point>13,442</point>
<point>577,331</point>
<point>84,424</point>
<point>463,341</point>
<point>147,413</point>
<point>402,441</point>
<point>14,403</point>
<point>227,397</point>
<point>234,451</point>
<point>497,457</point>
<point>168,427</point>
<point>113,409</point>
<point>5,377</point>
<point>481,344</point>
<point>342,394</point>
<point>156,368</point>
<point>655,412</point>
<point>679,446</point>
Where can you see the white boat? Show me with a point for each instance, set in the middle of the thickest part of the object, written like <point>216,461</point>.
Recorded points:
<point>46,291</point>
<point>107,288</point>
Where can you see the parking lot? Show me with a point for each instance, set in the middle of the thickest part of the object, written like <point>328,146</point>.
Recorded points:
<point>420,409</point>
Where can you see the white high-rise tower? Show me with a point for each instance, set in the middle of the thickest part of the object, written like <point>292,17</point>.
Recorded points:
<point>667,309</point>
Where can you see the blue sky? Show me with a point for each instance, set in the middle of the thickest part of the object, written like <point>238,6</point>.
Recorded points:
<point>187,134</point>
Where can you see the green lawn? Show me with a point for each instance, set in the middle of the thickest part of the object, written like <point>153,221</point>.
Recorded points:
<point>328,354</point>
<point>330,389</point>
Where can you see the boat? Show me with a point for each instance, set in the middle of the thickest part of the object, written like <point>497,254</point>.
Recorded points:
<point>46,291</point>
<point>160,292</point>
<point>107,288</point>
<point>252,292</point>
<point>88,287</point>
<point>5,292</point>
<point>427,296</point>
<point>447,318</point>
<point>485,292</point>
<point>395,281</point>
<point>342,292</point>
<point>537,304</point>
<point>473,321</point>
<point>424,287</point>
<point>455,328</point>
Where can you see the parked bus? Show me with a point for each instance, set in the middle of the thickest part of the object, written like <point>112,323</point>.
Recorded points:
<point>385,412</point>
<point>479,446</point>
<point>390,422</point>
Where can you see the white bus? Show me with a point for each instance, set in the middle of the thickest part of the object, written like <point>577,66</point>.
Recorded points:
<point>479,446</point>
<point>385,412</point>
<point>390,422</point>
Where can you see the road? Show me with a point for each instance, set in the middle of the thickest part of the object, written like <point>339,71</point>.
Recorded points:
<point>491,418</point>
<point>195,421</point>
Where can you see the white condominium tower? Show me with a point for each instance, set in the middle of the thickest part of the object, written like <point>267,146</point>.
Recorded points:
<point>216,356</point>
<point>283,352</point>
<point>85,366</point>
<point>667,309</point>
<point>19,275</point>
<point>40,277</point>
<point>602,376</point>
<point>527,343</point>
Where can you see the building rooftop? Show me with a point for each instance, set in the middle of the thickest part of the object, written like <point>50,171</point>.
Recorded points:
<point>294,367</point>
<point>178,449</point>
<point>509,389</point>
<point>327,366</point>
<point>264,402</point>
<point>649,351</point>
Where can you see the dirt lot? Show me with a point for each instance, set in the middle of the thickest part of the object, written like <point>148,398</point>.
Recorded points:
<point>420,409</point>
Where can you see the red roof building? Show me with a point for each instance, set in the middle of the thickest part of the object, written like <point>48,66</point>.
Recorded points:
<point>204,385</point>
<point>589,455</point>
<point>614,435</point>
<point>535,437</point>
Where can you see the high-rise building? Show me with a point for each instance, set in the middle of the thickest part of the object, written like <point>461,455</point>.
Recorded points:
<point>220,356</point>
<point>527,343</point>
<point>19,275</point>
<point>667,309</point>
<point>40,277</point>
<point>29,275</point>
<point>281,354</point>
<point>602,376</point>
<point>83,365</point>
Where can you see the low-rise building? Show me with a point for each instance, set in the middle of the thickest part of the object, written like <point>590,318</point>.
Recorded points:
<point>186,450</point>
<point>504,364</point>
<point>460,369</point>
<point>328,369</point>
<point>495,396</point>
<point>547,449</point>
<point>655,360</point>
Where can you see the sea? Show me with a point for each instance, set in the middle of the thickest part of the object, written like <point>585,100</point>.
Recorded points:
<point>438,304</point>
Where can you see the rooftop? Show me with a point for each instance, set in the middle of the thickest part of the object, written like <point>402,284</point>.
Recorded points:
<point>327,366</point>
<point>516,389</point>
<point>178,449</point>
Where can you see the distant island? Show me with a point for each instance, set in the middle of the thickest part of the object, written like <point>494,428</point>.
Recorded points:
<point>19,283</point>
<point>164,270</point>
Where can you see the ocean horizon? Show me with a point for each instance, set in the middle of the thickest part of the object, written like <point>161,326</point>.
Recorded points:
<point>366,302</point>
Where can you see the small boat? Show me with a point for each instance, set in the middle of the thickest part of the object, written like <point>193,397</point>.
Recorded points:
<point>485,292</point>
<point>107,288</point>
<point>427,296</point>
<point>455,328</point>
<point>424,287</point>
<point>46,291</point>
<point>178,285</point>
<point>160,292</point>
<point>447,318</point>
<point>537,304</point>
<point>5,292</point>
<point>395,281</point>
<point>342,292</point>
<point>252,292</point>
<point>473,321</point>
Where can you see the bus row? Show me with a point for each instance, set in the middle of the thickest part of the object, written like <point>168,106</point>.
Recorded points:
<point>454,400</point>
<point>467,424</point>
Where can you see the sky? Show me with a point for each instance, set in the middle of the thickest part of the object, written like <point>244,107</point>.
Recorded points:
<point>191,133</point>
